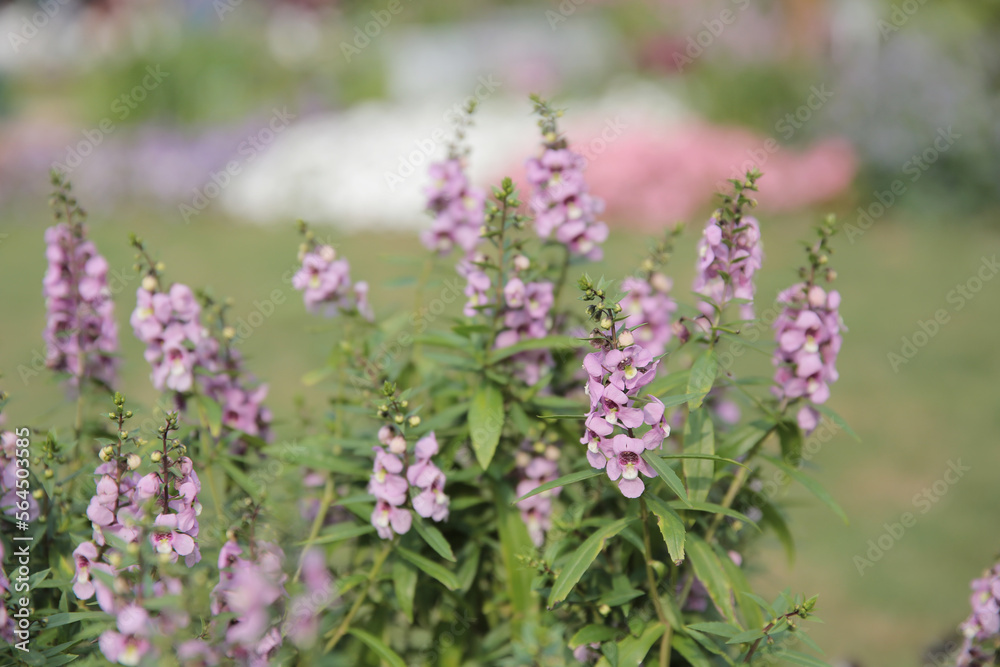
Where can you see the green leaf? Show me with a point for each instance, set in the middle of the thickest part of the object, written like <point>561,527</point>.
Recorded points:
<point>240,478</point>
<point>762,603</point>
<point>773,517</point>
<point>590,634</point>
<point>709,570</point>
<point>565,480</point>
<point>751,614</point>
<point>802,659</point>
<point>726,630</point>
<point>712,508</point>
<point>668,382</point>
<point>610,651</point>
<point>434,538</point>
<point>486,422</point>
<point>632,650</point>
<point>404,582</point>
<point>467,570</point>
<point>790,436</point>
<point>839,421</point>
<point>690,651</point>
<point>671,527</point>
<point>581,559</point>
<point>58,620</point>
<point>702,377</point>
<point>708,644</point>
<point>430,567</point>
<point>377,645</point>
<point>339,532</point>
<point>666,473</point>
<point>811,485</point>
<point>746,637</point>
<point>699,438</point>
<point>209,414</point>
<point>514,542</point>
<point>745,438</point>
<point>547,343</point>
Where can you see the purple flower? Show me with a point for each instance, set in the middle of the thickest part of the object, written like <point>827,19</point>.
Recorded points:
<point>123,649</point>
<point>729,254</point>
<point>386,483</point>
<point>535,470</point>
<point>649,306</point>
<point>457,207</point>
<point>325,283</point>
<point>627,463</point>
<point>389,520</point>
<point>808,335</point>
<point>562,205</point>
<point>81,335</point>
<point>167,538</point>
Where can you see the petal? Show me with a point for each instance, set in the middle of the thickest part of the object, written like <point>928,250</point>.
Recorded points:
<point>631,488</point>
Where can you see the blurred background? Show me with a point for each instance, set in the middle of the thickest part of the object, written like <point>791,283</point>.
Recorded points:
<point>209,126</point>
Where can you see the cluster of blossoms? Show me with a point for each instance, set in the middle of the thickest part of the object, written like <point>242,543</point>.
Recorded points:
<point>184,354</point>
<point>477,285</point>
<point>649,306</point>
<point>981,630</point>
<point>561,203</point>
<point>459,209</point>
<point>537,465</point>
<point>391,486</point>
<point>615,374</point>
<point>123,503</point>
<point>527,316</point>
<point>729,254</point>
<point>12,502</point>
<point>809,338</point>
<point>81,335</point>
<point>249,589</point>
<point>325,281</point>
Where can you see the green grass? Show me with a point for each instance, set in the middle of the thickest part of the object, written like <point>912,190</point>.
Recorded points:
<point>941,406</point>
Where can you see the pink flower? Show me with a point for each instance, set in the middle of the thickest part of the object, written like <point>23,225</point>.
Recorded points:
<point>325,283</point>
<point>649,306</point>
<point>166,538</point>
<point>733,250</point>
<point>457,207</point>
<point>84,556</point>
<point>389,520</point>
<point>627,463</point>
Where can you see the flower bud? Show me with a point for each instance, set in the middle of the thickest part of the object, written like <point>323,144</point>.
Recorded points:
<point>105,453</point>
<point>149,283</point>
<point>49,474</point>
<point>328,253</point>
<point>625,339</point>
<point>521,263</point>
<point>414,420</point>
<point>156,457</point>
<point>37,493</point>
<point>681,331</point>
<point>115,559</point>
<point>552,453</point>
<point>522,459</point>
<point>397,445</point>
<point>133,461</point>
<point>160,266</point>
<point>660,282</point>
<point>400,419</point>
<point>228,333</point>
<point>605,322</point>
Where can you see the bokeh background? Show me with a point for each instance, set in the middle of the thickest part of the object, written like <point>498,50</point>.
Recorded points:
<point>209,127</point>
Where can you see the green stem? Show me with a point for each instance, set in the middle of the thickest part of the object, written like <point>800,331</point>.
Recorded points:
<point>328,497</point>
<point>346,623</point>
<point>654,589</point>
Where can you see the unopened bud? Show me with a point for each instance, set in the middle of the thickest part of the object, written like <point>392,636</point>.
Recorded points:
<point>149,283</point>
<point>521,263</point>
<point>397,445</point>
<point>156,457</point>
<point>328,253</point>
<point>552,453</point>
<point>605,322</point>
<point>228,333</point>
<point>133,461</point>
<point>37,493</point>
<point>522,459</point>
<point>661,283</point>
<point>105,453</point>
<point>49,474</point>
<point>625,339</point>
<point>400,419</point>
<point>414,420</point>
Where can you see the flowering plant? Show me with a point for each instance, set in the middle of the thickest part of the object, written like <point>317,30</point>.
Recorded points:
<point>540,479</point>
